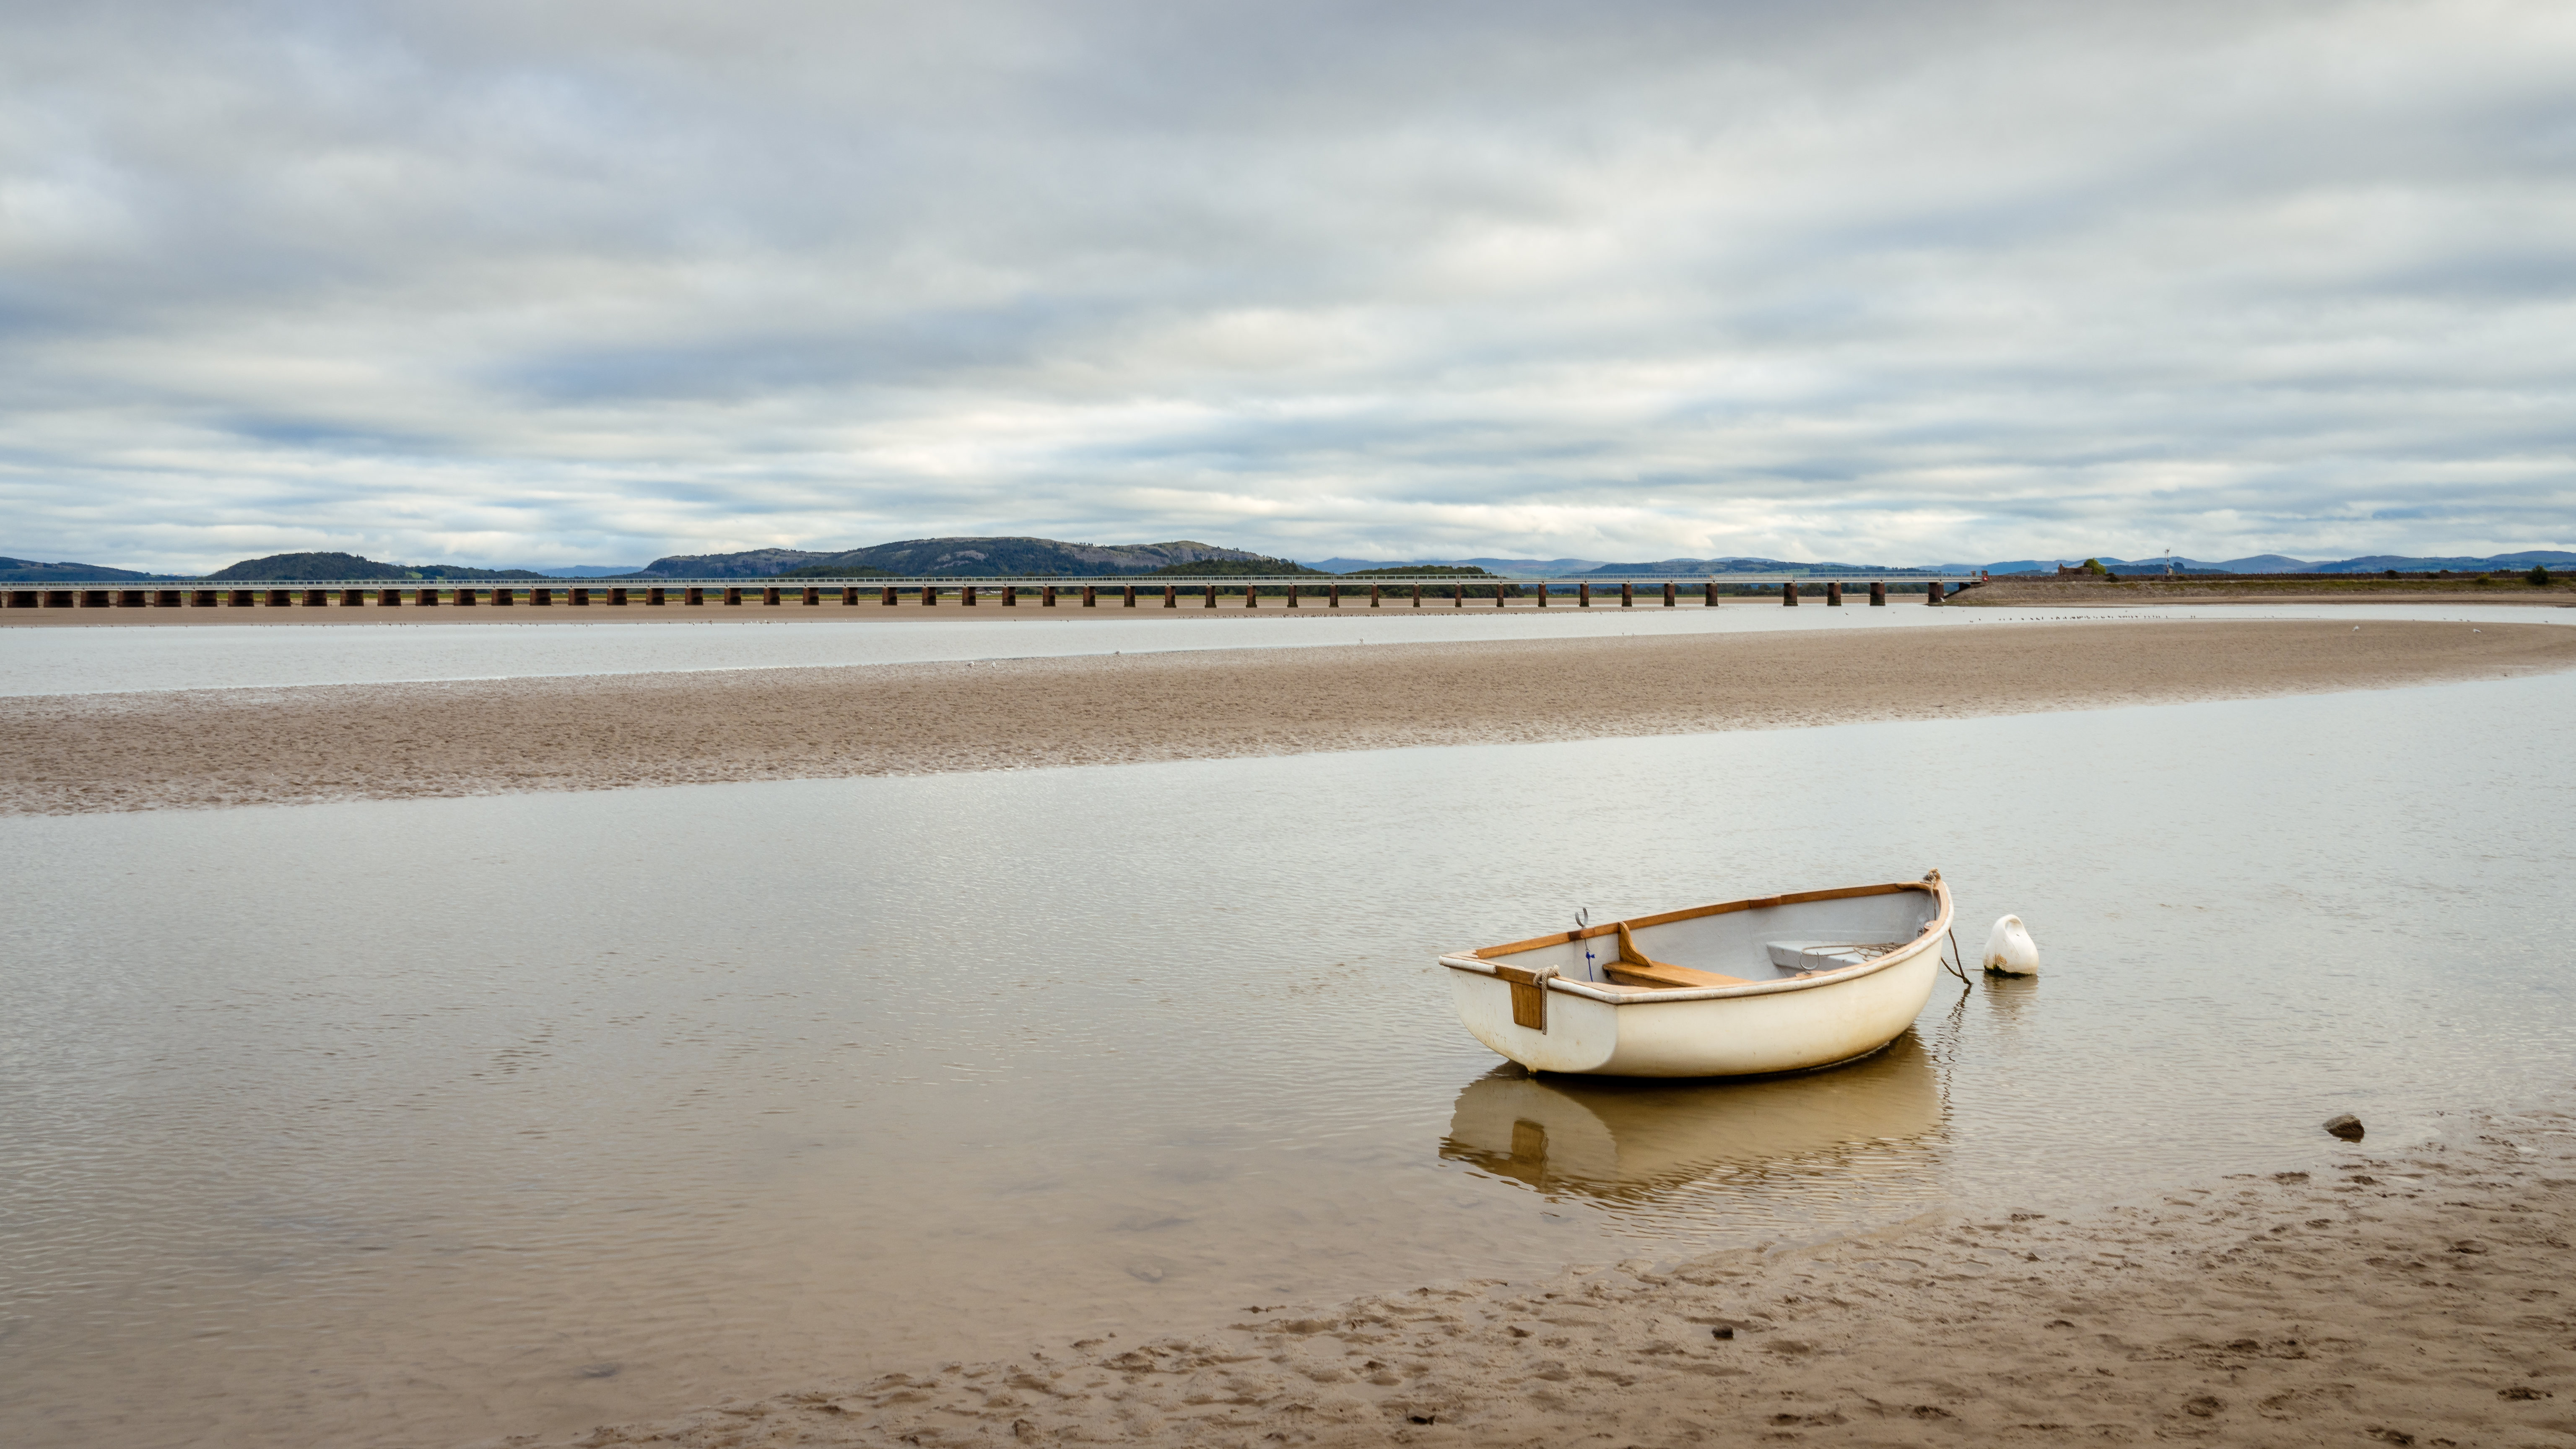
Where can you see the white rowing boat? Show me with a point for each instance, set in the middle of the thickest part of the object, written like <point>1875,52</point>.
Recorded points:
<point>1778,984</point>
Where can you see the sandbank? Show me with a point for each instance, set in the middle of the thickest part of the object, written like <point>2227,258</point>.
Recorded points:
<point>210,748</point>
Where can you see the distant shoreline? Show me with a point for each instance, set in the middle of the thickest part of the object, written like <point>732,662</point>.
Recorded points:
<point>2134,591</point>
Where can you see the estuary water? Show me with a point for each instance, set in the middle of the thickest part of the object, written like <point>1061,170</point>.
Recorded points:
<point>425,1122</point>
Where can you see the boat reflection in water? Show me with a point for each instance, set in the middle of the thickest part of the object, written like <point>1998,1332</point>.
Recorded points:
<point>1857,1135</point>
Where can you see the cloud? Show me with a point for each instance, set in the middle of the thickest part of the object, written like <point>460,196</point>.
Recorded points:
<point>497,282</point>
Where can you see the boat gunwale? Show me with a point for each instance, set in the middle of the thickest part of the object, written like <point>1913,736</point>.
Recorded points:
<point>1476,962</point>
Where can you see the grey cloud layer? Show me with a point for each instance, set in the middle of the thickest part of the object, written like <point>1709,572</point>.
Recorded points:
<point>499,282</point>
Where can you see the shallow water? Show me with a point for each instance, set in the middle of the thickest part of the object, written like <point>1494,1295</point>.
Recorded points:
<point>420,1122</point>
<point>108,659</point>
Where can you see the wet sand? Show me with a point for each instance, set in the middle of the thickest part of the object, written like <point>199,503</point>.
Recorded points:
<point>2418,1297</point>
<point>211,748</point>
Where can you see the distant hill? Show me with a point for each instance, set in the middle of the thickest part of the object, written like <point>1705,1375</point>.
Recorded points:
<point>758,563</point>
<point>1702,567</point>
<point>2261,563</point>
<point>2379,562</point>
<point>1214,568</point>
<point>811,571</point>
<point>28,571</point>
<point>1509,567</point>
<point>281,566</point>
<point>948,557</point>
<point>298,567</point>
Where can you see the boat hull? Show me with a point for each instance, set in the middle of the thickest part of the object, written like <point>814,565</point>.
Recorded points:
<point>1718,1037</point>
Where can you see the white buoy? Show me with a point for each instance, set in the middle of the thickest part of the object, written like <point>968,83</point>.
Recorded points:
<point>2009,949</point>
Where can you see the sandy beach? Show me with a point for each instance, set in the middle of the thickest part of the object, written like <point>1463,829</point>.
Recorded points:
<point>208,748</point>
<point>2407,1298</point>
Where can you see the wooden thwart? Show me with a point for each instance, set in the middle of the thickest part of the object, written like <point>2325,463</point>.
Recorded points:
<point>1635,965</point>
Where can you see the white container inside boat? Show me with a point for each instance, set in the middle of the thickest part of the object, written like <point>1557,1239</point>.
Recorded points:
<point>1777,984</point>
<point>2009,949</point>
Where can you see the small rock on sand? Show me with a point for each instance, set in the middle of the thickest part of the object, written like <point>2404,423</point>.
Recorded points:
<point>2346,1126</point>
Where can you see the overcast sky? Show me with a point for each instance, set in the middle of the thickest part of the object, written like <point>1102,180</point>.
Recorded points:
<point>523,282</point>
